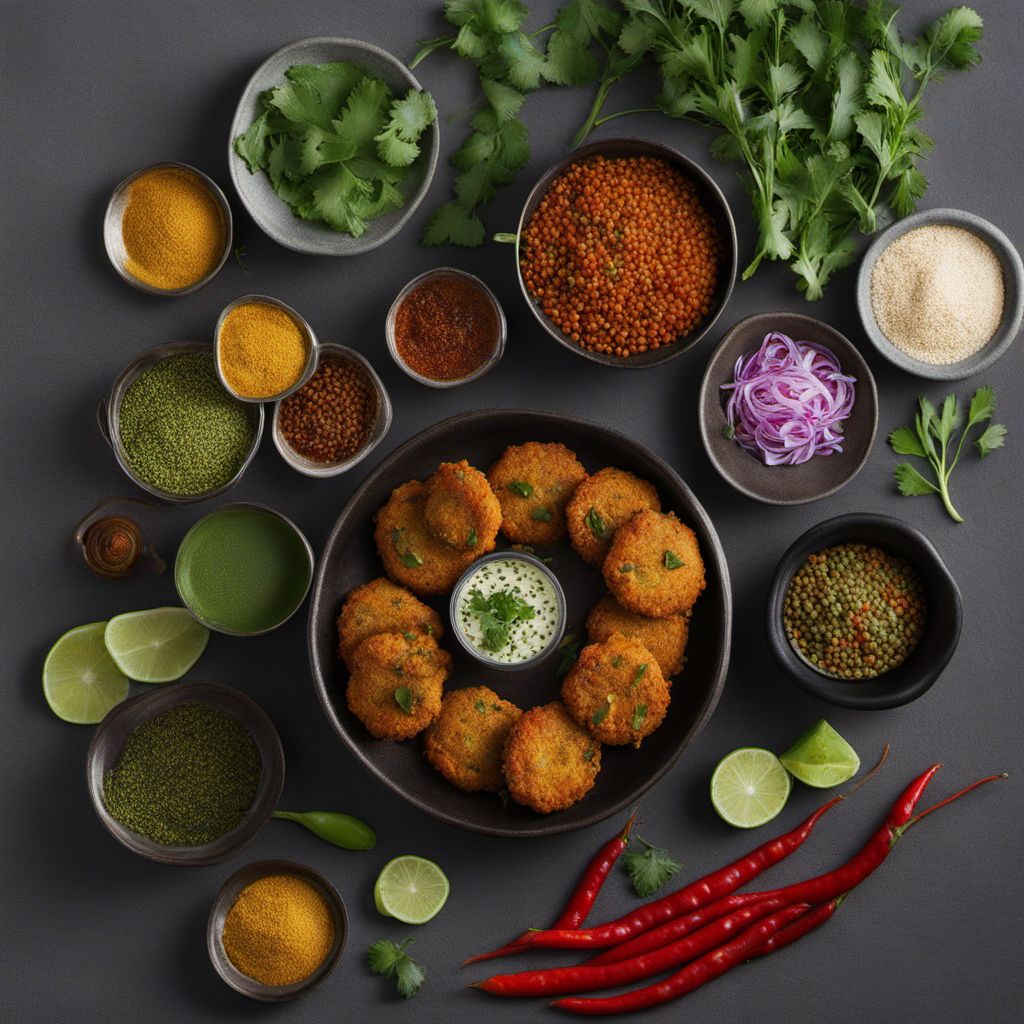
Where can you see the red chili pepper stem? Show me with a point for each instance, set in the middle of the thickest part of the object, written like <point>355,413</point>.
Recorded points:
<point>948,800</point>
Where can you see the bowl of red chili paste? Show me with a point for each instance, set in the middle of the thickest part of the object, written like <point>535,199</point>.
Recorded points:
<point>446,328</point>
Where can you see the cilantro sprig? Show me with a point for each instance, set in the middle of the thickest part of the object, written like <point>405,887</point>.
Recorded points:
<point>390,960</point>
<point>931,437</point>
<point>649,869</point>
<point>497,613</point>
<point>336,144</point>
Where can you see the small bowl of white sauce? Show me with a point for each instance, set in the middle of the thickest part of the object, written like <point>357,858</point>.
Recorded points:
<point>508,610</point>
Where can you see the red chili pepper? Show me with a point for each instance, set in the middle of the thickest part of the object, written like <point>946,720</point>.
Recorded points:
<point>589,978</point>
<point>800,927</point>
<point>693,975</point>
<point>692,897</point>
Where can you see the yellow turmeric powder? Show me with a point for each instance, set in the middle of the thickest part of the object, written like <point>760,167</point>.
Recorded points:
<point>173,229</point>
<point>262,350</point>
<point>279,930</point>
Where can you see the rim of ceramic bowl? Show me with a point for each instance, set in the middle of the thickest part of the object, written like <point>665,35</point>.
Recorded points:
<point>492,360</point>
<point>114,215</point>
<point>108,417</point>
<point>231,506</point>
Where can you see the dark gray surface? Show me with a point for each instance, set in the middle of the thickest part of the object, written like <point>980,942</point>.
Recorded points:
<point>93,933</point>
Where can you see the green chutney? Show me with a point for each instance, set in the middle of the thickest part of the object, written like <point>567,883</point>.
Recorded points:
<point>242,570</point>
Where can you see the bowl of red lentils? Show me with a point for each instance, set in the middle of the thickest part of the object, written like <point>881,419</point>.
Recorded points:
<point>336,418</point>
<point>626,252</point>
<point>862,612</point>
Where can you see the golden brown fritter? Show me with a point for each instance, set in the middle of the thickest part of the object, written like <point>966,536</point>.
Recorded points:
<point>381,606</point>
<point>411,554</point>
<point>601,504</point>
<point>461,508</point>
<point>654,566</point>
<point>467,740</point>
<point>664,638</point>
<point>396,684</point>
<point>550,762</point>
<point>616,691</point>
<point>533,483</point>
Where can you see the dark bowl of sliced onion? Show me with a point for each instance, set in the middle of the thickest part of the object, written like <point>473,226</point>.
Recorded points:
<point>788,409</point>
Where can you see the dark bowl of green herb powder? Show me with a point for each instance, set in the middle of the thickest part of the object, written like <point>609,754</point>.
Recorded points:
<point>187,774</point>
<point>862,612</point>
<point>174,429</point>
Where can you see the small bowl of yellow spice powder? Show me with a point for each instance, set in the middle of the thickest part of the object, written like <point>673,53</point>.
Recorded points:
<point>167,229</point>
<point>276,930</point>
<point>265,349</point>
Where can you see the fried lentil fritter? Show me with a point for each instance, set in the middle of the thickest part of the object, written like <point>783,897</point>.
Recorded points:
<point>461,508</point>
<point>533,483</point>
<point>550,762</point>
<point>665,638</point>
<point>601,504</point>
<point>467,740</point>
<point>654,566</point>
<point>389,671</point>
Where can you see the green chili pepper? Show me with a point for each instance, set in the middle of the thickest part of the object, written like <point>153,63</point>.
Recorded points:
<point>340,829</point>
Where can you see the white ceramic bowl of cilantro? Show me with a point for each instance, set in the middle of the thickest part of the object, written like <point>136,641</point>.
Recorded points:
<point>256,191</point>
<point>508,610</point>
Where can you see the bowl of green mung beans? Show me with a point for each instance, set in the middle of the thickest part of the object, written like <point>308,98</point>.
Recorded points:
<point>174,430</point>
<point>186,774</point>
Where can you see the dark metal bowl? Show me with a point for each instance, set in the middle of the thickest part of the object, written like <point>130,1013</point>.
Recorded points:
<point>350,559</point>
<point>944,613</point>
<point>711,198</point>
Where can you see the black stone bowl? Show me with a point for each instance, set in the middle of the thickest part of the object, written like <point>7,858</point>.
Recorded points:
<point>350,559</point>
<point>944,613</point>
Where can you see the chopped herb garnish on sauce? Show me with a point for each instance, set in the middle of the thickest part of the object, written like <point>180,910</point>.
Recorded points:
<point>497,614</point>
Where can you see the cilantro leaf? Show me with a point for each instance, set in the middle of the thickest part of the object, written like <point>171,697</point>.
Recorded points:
<point>569,651</point>
<point>497,613</point>
<point>904,441</point>
<point>252,146</point>
<point>404,699</point>
<point>910,482</point>
<point>650,869</point>
<point>992,437</point>
<point>455,225</point>
<point>390,960</point>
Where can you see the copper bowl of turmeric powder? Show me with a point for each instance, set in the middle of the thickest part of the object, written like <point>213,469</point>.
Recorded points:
<point>276,929</point>
<point>167,229</point>
<point>264,349</point>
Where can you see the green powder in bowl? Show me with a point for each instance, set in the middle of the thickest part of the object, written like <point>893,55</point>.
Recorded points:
<point>243,569</point>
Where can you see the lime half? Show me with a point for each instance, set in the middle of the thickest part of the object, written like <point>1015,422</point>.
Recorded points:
<point>821,757</point>
<point>749,787</point>
<point>411,889</point>
<point>81,683</point>
<point>155,646</point>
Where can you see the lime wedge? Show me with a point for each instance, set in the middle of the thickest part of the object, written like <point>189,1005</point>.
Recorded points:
<point>411,889</point>
<point>749,787</point>
<point>155,646</point>
<point>81,683</point>
<point>821,757</point>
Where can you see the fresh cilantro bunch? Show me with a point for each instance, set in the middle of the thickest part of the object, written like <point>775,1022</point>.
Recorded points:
<point>336,144</point>
<point>390,959</point>
<point>497,613</point>
<point>650,869</point>
<point>931,436</point>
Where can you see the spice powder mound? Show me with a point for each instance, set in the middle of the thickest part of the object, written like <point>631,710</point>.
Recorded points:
<point>330,418</point>
<point>262,350</point>
<point>446,328</point>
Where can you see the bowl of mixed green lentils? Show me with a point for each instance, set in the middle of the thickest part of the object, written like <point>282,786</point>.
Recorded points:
<point>174,429</point>
<point>862,612</point>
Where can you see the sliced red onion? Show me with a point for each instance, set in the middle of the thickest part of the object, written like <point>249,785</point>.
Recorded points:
<point>788,401</point>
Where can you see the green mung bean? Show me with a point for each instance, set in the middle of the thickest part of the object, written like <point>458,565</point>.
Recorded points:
<point>181,431</point>
<point>185,777</point>
<point>854,611</point>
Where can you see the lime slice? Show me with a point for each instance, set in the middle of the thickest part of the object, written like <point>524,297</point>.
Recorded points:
<point>411,889</point>
<point>155,646</point>
<point>749,787</point>
<point>821,757</point>
<point>81,683</point>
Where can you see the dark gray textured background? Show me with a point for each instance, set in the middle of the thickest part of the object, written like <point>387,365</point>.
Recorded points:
<point>93,933</point>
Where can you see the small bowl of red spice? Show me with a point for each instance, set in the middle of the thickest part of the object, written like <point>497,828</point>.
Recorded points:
<point>446,328</point>
<point>336,418</point>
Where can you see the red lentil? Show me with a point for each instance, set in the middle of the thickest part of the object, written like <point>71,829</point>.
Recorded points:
<point>620,254</point>
<point>330,417</point>
<point>446,328</point>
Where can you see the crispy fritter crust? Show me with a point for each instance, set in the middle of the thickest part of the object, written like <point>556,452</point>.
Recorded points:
<point>381,606</point>
<point>382,664</point>
<point>551,472</point>
<point>600,505</point>
<point>467,740</point>
<point>637,568</point>
<point>616,691</point>
<point>664,638</point>
<point>412,555</point>
<point>550,762</point>
<point>461,508</point>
